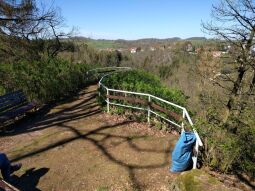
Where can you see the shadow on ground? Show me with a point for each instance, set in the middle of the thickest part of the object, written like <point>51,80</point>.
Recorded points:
<point>83,107</point>
<point>29,180</point>
<point>90,136</point>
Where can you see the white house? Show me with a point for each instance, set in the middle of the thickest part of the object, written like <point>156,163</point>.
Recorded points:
<point>152,48</point>
<point>133,50</point>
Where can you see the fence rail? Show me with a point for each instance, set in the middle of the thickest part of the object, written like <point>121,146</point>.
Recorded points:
<point>148,105</point>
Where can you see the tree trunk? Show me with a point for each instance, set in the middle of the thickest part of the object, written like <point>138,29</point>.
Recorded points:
<point>232,105</point>
<point>237,85</point>
<point>252,83</point>
<point>234,98</point>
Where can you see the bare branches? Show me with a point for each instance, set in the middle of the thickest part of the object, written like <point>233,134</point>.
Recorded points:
<point>234,23</point>
<point>235,15</point>
<point>31,21</point>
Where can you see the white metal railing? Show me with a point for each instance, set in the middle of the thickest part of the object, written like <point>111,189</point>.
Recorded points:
<point>149,97</point>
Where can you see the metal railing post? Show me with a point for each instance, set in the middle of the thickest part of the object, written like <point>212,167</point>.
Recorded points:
<point>108,101</point>
<point>194,158</point>
<point>87,75</point>
<point>183,118</point>
<point>149,110</point>
<point>99,94</point>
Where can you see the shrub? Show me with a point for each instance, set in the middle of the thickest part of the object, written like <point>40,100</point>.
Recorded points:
<point>227,151</point>
<point>140,81</point>
<point>165,71</point>
<point>43,80</point>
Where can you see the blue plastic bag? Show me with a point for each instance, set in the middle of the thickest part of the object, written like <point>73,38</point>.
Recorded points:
<point>182,153</point>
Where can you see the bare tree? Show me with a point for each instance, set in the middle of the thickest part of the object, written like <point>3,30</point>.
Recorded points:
<point>233,21</point>
<point>31,26</point>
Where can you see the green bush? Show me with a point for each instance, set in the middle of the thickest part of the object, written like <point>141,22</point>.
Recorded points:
<point>165,71</point>
<point>227,151</point>
<point>143,82</point>
<point>43,80</point>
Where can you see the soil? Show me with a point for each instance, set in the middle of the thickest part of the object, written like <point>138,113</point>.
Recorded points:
<point>75,146</point>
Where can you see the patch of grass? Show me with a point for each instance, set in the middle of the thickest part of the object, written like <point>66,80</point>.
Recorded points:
<point>103,44</point>
<point>212,180</point>
<point>196,180</point>
<point>102,188</point>
<point>21,149</point>
<point>189,182</point>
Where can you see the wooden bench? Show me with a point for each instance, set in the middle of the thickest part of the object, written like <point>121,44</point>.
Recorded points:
<point>4,186</point>
<point>14,106</point>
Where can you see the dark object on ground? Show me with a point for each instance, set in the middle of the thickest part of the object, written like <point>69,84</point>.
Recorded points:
<point>7,169</point>
<point>182,154</point>
<point>14,106</point>
<point>15,167</point>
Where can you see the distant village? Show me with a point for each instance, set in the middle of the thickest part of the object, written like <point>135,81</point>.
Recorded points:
<point>187,47</point>
<point>134,50</point>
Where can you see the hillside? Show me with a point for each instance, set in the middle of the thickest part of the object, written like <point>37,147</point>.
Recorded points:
<point>121,43</point>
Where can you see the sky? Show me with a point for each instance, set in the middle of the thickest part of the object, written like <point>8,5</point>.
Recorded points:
<point>136,19</point>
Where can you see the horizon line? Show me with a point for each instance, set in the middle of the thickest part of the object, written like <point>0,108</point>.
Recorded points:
<point>135,39</point>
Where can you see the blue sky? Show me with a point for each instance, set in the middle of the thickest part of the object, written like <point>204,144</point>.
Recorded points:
<point>135,19</point>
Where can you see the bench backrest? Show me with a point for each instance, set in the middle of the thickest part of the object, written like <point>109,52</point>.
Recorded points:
<point>12,100</point>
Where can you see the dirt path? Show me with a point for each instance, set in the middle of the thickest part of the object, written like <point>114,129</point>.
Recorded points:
<point>75,146</point>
